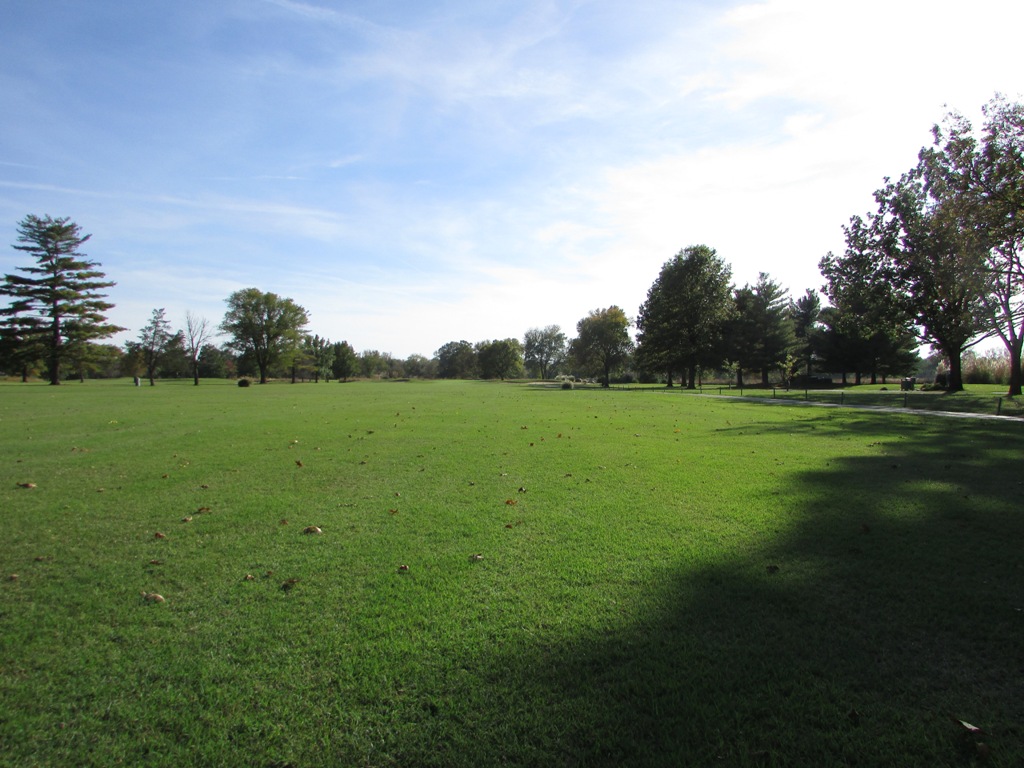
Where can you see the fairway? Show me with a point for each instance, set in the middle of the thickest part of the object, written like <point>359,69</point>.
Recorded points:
<point>506,574</point>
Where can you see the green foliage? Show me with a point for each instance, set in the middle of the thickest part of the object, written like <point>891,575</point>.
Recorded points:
<point>56,309</point>
<point>985,175</point>
<point>602,341</point>
<point>320,354</point>
<point>152,344</point>
<point>346,363</point>
<point>760,332</point>
<point>265,326</point>
<point>544,350</point>
<point>457,360</point>
<point>682,323</point>
<point>500,359</point>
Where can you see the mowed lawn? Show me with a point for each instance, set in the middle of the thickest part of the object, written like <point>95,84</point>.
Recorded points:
<point>661,580</point>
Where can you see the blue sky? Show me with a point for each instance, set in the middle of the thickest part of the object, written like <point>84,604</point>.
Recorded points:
<point>420,172</point>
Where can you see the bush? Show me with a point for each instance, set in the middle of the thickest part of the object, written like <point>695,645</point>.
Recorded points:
<point>566,385</point>
<point>244,382</point>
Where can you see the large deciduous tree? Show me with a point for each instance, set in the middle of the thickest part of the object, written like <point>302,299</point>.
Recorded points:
<point>500,359</point>
<point>265,326</point>
<point>986,177</point>
<point>682,322</point>
<point>456,360</point>
<point>544,349</point>
<point>602,340</point>
<point>56,308</point>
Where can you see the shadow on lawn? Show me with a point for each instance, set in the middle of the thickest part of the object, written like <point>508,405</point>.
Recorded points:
<point>850,639</point>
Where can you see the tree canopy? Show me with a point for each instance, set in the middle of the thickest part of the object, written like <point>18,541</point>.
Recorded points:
<point>544,349</point>
<point>681,324</point>
<point>602,340</point>
<point>264,325</point>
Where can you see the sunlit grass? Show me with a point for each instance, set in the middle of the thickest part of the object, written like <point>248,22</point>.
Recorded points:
<point>662,580</point>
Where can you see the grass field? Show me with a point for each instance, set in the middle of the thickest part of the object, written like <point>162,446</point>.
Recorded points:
<point>662,581</point>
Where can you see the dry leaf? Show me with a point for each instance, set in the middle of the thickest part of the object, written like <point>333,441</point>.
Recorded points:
<point>403,569</point>
<point>156,562</point>
<point>288,584</point>
<point>511,502</point>
<point>972,730</point>
<point>298,463</point>
<point>474,558</point>
<point>186,519</point>
<point>283,522</point>
<point>202,509</point>
<point>522,489</point>
<point>249,577</point>
<point>392,511</point>
<point>311,529</point>
<point>153,597</point>
<point>159,535</point>
<point>13,577</point>
<point>27,485</point>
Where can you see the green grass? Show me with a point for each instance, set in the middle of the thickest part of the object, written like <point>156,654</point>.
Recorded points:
<point>680,581</point>
<point>981,399</point>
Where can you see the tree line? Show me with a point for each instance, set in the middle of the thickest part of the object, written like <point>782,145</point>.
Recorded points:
<point>937,262</point>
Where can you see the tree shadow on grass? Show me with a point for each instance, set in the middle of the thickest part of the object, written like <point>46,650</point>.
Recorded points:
<point>854,637</point>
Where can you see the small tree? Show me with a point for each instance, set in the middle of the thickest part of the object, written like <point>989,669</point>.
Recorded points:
<point>197,335</point>
<point>346,363</point>
<point>56,308</point>
<point>152,343</point>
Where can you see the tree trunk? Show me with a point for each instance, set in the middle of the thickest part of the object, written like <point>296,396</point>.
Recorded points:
<point>955,379</point>
<point>1015,367</point>
<point>691,377</point>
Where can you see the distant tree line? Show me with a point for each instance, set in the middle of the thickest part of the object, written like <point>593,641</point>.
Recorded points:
<point>937,262</point>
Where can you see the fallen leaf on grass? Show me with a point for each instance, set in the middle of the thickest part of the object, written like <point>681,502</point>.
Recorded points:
<point>249,577</point>
<point>283,522</point>
<point>971,730</point>
<point>43,558</point>
<point>403,569</point>
<point>392,511</point>
<point>474,558</point>
<point>156,562</point>
<point>511,502</point>
<point>159,535</point>
<point>186,519</point>
<point>153,597</point>
<point>312,529</point>
<point>27,485</point>
<point>13,577</point>
<point>298,463</point>
<point>201,510</point>
<point>288,584</point>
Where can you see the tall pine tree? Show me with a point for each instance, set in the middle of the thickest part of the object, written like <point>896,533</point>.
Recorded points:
<point>56,308</point>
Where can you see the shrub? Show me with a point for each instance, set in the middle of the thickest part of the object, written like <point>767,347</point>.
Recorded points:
<point>244,382</point>
<point>566,385</point>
